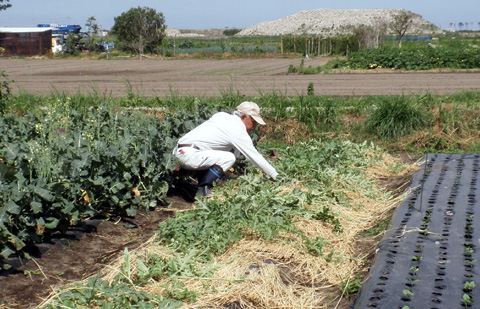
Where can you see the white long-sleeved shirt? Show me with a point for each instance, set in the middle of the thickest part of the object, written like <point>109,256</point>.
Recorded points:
<point>227,132</point>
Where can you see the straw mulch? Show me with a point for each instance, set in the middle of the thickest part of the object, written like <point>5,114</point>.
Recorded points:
<point>255,273</point>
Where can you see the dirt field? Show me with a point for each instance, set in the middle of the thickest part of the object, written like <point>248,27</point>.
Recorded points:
<point>211,78</point>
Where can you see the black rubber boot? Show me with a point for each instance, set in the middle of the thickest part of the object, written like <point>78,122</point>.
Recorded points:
<point>184,185</point>
<point>206,182</point>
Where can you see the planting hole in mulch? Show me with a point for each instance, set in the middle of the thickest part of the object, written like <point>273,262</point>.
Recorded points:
<point>428,258</point>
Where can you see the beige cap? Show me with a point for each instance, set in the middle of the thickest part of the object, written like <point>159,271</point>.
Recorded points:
<point>251,109</point>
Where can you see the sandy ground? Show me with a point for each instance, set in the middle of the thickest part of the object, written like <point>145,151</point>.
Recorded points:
<point>212,78</point>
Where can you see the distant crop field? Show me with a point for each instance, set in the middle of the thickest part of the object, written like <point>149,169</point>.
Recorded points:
<point>212,77</point>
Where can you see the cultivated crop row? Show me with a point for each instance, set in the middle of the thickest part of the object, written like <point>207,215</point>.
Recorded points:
<point>62,166</point>
<point>413,59</point>
<point>301,227</point>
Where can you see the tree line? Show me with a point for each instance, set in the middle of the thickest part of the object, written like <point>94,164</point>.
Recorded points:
<point>142,29</point>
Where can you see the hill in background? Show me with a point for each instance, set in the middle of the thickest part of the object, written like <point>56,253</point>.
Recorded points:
<point>324,22</point>
<point>332,22</point>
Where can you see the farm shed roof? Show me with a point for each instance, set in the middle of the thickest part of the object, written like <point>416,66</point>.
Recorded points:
<point>23,30</point>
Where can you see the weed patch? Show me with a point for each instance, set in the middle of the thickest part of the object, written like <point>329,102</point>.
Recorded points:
<point>395,117</point>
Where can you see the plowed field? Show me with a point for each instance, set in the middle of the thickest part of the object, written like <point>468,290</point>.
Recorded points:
<point>209,78</point>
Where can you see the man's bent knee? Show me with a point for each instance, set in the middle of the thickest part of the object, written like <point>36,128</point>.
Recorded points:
<point>228,161</point>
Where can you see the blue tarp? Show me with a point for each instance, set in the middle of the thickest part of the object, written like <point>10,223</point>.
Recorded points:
<point>62,29</point>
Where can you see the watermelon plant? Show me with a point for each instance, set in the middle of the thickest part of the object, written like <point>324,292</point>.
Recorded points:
<point>250,207</point>
<point>261,207</point>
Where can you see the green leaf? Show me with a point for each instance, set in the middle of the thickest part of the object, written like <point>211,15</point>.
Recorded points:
<point>68,208</point>
<point>131,211</point>
<point>126,263</point>
<point>36,207</point>
<point>41,221</point>
<point>6,252</point>
<point>53,223</point>
<point>17,242</point>
<point>43,193</point>
<point>13,208</point>
<point>467,299</point>
<point>142,269</point>
<point>11,151</point>
<point>99,181</point>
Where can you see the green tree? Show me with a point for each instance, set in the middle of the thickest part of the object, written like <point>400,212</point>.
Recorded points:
<point>140,29</point>
<point>92,24</point>
<point>401,23</point>
<point>4,6</point>
<point>71,43</point>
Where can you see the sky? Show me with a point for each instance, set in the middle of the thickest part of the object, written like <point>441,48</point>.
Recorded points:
<point>203,14</point>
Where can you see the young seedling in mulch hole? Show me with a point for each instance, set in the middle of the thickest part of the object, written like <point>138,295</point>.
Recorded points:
<point>468,286</point>
<point>408,294</point>
<point>413,270</point>
<point>468,251</point>
<point>412,281</point>
<point>469,263</point>
<point>467,300</point>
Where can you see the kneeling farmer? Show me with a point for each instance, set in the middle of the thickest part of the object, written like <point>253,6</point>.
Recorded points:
<point>214,145</point>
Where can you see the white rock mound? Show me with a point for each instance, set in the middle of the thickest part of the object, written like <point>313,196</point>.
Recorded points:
<point>332,22</point>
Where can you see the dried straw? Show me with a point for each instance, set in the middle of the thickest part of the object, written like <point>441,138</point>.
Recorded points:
<point>255,273</point>
<point>280,274</point>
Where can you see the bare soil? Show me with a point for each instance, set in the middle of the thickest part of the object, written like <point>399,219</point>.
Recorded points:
<point>214,77</point>
<point>29,284</point>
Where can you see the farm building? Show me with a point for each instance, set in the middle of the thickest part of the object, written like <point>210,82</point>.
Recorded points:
<point>26,41</point>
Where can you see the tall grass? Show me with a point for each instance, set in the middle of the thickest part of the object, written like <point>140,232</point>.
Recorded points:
<point>396,116</point>
<point>383,119</point>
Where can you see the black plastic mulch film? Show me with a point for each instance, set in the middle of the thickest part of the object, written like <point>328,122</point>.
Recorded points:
<point>430,254</point>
